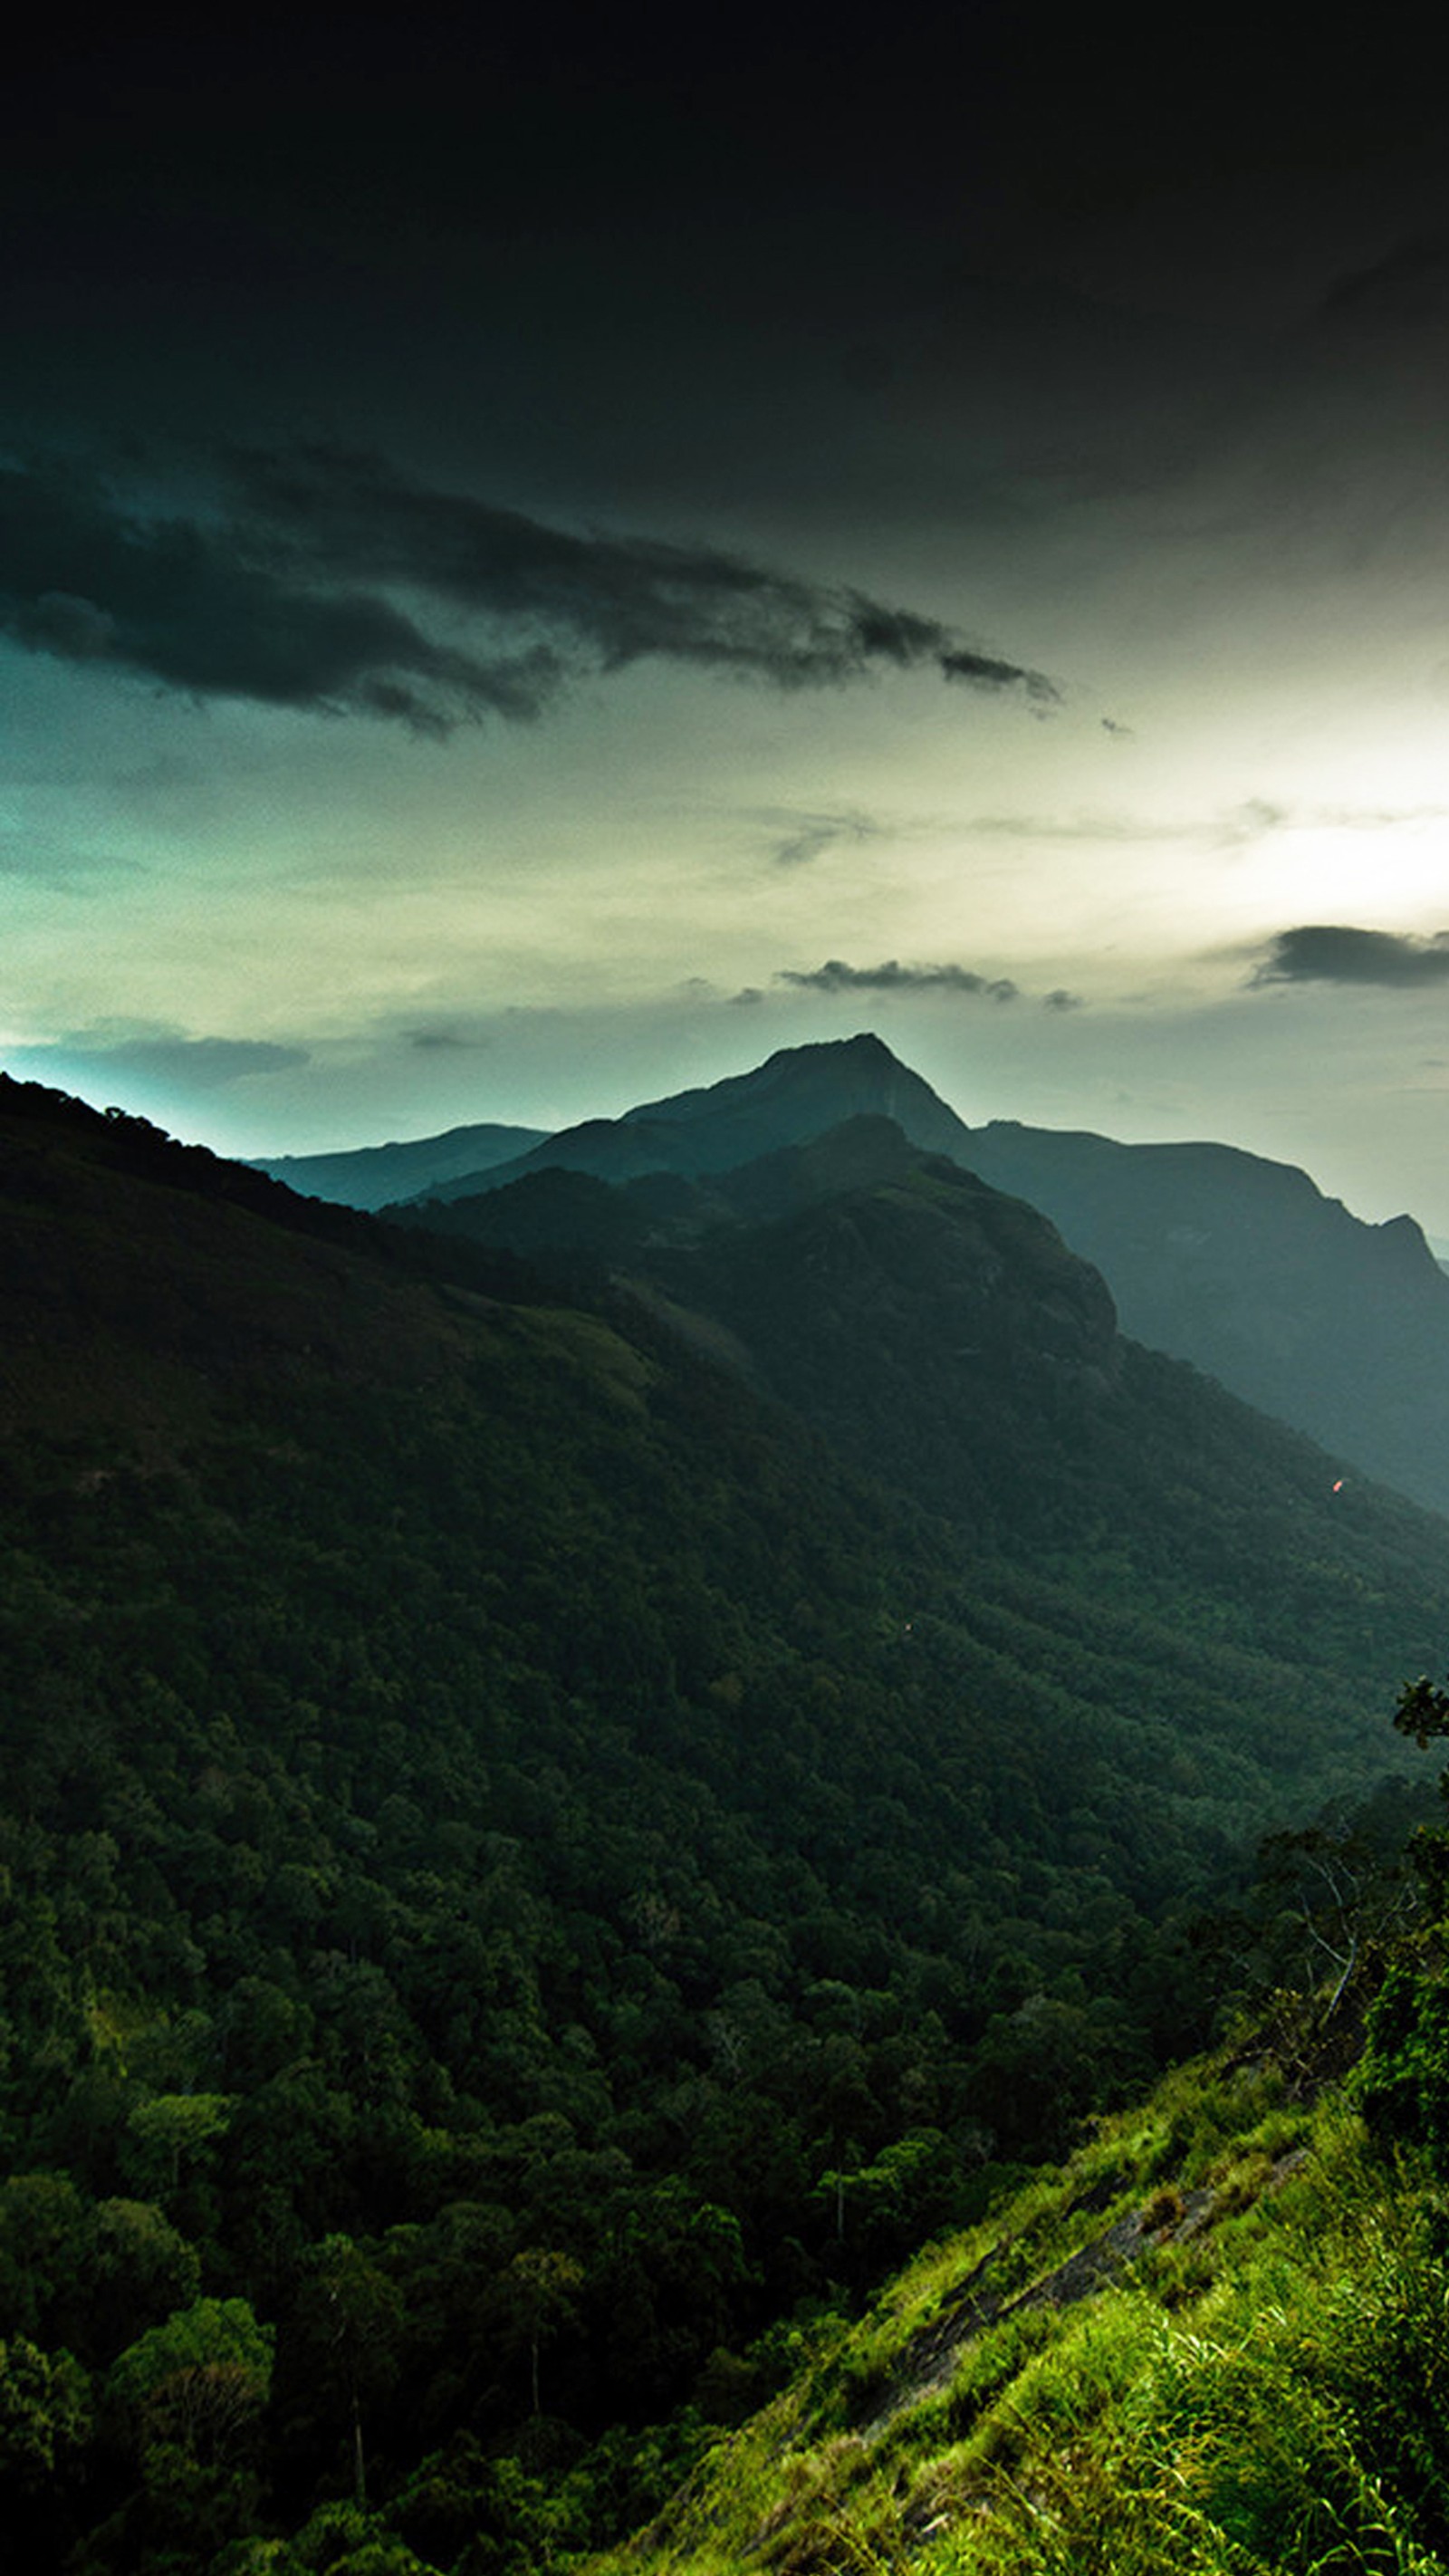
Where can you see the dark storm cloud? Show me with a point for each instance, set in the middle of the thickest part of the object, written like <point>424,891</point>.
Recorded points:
<point>211,611</point>
<point>316,584</point>
<point>836,977</point>
<point>1330,953</point>
<point>619,599</point>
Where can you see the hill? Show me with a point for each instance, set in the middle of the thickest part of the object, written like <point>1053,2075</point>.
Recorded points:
<point>372,1175</point>
<point>1212,2341</point>
<point>500,1816</point>
<point>1244,1267</point>
<point>942,1336</point>
<point>1216,1256</point>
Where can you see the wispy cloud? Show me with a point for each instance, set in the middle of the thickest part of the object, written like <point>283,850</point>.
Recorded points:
<point>321,579</point>
<point>201,1064</point>
<point>797,838</point>
<point>1333,953</point>
<point>1239,826</point>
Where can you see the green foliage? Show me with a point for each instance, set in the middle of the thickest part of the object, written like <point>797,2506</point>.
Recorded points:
<point>45,2414</point>
<point>1096,2410</point>
<point>528,1883</point>
<point>1402,2081</point>
<point>198,2383</point>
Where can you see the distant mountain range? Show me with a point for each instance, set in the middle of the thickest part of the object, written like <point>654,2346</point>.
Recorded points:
<point>1217,1256</point>
<point>1243,1267</point>
<point>373,1175</point>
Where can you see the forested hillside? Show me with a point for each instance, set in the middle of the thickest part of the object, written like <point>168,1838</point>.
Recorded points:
<point>527,1873</point>
<point>1212,2343</point>
<point>1223,1258</point>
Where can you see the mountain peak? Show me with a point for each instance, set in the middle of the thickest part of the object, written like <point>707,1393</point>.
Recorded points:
<point>802,1091</point>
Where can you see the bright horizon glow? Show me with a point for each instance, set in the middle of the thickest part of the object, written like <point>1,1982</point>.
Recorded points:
<point>485,672</point>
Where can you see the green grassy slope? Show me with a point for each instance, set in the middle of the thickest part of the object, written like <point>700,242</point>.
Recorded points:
<point>1214,2342</point>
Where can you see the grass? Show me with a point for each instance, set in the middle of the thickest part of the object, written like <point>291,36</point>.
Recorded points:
<point>1259,2386</point>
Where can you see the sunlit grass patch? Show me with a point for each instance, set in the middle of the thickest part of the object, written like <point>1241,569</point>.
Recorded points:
<point>1259,2388</point>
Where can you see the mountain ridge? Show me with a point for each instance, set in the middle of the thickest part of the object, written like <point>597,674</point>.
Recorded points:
<point>370,1176</point>
<point>1230,1260</point>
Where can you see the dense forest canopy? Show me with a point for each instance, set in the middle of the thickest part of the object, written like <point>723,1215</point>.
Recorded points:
<point>533,1863</point>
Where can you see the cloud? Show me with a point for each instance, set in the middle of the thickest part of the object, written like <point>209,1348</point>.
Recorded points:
<point>1231,829</point>
<point>1330,953</point>
<point>983,671</point>
<point>204,610</point>
<point>891,977</point>
<point>202,1064</point>
<point>801,837</point>
<point>1254,819</point>
<point>325,580</point>
<point>76,629</point>
<point>836,977</point>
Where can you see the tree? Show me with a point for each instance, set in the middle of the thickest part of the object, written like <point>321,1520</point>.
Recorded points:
<point>344,2339</point>
<point>141,2270</point>
<point>546,2283</point>
<point>169,2131</point>
<point>188,2397</point>
<point>1402,2079</point>
<point>200,2381</point>
<point>45,2413</point>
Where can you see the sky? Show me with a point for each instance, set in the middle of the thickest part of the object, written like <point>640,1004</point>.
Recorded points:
<point>541,561</point>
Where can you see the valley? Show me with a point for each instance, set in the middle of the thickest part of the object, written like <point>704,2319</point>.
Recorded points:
<point>583,1772</point>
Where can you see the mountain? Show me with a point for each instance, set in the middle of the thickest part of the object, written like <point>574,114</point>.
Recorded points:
<point>512,1792</point>
<point>373,1175</point>
<point>800,1092</point>
<point>940,1333</point>
<point>1216,1256</point>
<point>1242,1266</point>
